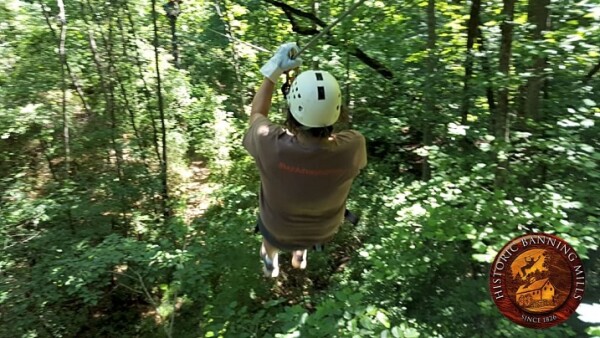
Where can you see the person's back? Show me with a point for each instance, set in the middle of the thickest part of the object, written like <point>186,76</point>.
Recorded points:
<point>306,171</point>
<point>304,181</point>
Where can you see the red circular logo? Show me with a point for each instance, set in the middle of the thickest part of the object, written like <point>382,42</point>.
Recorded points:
<point>537,280</point>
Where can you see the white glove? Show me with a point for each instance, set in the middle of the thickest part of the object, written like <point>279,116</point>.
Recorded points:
<point>281,62</point>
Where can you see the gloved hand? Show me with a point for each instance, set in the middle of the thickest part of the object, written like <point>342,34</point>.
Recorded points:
<point>281,62</point>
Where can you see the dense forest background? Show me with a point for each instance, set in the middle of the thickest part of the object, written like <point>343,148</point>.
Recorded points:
<point>127,204</point>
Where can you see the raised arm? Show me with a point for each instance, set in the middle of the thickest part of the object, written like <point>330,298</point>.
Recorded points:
<point>261,104</point>
<point>280,62</point>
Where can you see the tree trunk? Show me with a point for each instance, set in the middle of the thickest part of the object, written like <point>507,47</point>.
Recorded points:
<point>487,70</point>
<point>224,16</point>
<point>145,89</point>
<point>74,80</point>
<point>173,11</point>
<point>538,15</point>
<point>62,17</point>
<point>161,110</point>
<point>429,89</point>
<point>114,74</point>
<point>125,95</point>
<point>472,28</point>
<point>501,116</point>
<point>347,87</point>
<point>107,92</point>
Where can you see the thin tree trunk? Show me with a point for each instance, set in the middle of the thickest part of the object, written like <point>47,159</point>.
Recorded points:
<point>472,28</point>
<point>124,94</point>
<point>161,109</point>
<point>538,14</point>
<point>114,73</point>
<point>224,16</point>
<point>487,70</point>
<point>62,17</point>
<point>173,11</point>
<point>315,11</point>
<point>501,116</point>
<point>145,90</point>
<point>429,92</point>
<point>51,167</point>
<point>347,86</point>
<point>72,76</point>
<point>107,92</point>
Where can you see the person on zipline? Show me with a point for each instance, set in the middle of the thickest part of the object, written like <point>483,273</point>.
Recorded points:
<point>306,170</point>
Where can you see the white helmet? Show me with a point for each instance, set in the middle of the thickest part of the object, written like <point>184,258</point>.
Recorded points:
<point>315,99</point>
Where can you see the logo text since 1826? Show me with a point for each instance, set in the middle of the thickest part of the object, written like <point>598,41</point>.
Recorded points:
<point>537,280</point>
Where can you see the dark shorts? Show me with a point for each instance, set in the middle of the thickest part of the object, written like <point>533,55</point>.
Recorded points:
<point>260,227</point>
<point>273,241</point>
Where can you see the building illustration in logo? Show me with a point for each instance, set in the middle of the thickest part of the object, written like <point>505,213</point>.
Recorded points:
<point>536,286</point>
<point>538,294</point>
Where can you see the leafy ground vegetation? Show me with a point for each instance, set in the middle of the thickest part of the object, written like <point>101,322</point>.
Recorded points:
<point>127,203</point>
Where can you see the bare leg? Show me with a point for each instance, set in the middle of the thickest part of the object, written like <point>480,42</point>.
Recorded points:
<point>299,259</point>
<point>270,256</point>
<point>269,249</point>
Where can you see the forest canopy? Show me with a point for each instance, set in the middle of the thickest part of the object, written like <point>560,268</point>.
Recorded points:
<point>128,204</point>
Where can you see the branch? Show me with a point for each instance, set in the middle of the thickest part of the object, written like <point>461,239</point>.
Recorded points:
<point>591,73</point>
<point>289,9</point>
<point>371,62</point>
<point>151,300</point>
<point>297,28</point>
<point>355,51</point>
<point>74,80</point>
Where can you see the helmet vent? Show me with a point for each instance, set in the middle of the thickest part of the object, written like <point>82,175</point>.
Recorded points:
<point>319,76</point>
<point>299,96</point>
<point>299,108</point>
<point>321,93</point>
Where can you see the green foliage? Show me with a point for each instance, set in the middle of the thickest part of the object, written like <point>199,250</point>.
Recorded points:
<point>87,250</point>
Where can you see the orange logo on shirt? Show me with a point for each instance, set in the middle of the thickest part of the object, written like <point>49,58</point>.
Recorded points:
<point>309,172</point>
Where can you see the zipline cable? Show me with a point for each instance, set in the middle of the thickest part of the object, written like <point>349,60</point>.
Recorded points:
<point>310,43</point>
<point>240,41</point>
<point>328,28</point>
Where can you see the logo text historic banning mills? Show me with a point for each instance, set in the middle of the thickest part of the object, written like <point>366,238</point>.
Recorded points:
<point>537,280</point>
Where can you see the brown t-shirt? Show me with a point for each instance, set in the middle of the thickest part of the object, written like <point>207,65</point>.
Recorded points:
<point>304,185</point>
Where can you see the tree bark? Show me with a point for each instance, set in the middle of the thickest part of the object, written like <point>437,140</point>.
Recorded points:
<point>62,18</point>
<point>430,88</point>
<point>224,16</point>
<point>161,110</point>
<point>107,91</point>
<point>487,70</point>
<point>125,95</point>
<point>472,31</point>
<point>114,74</point>
<point>145,89</point>
<point>501,116</point>
<point>352,49</point>
<point>173,11</point>
<point>538,15</point>
<point>74,80</point>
